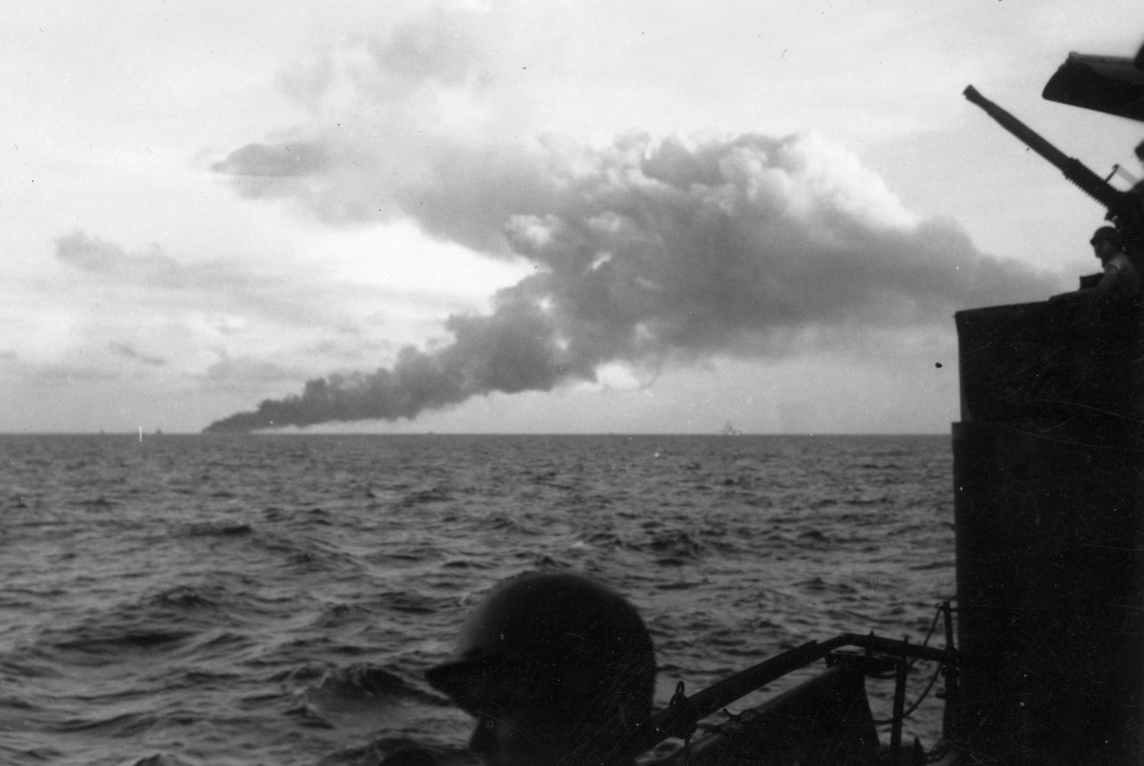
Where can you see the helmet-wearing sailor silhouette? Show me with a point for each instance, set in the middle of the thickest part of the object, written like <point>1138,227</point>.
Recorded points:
<point>556,668</point>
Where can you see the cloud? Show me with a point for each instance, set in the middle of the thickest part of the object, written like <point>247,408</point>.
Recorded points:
<point>648,250</point>
<point>59,375</point>
<point>95,256</point>
<point>154,281</point>
<point>127,351</point>
<point>216,322</point>
<point>280,161</point>
<point>418,125</point>
<point>245,375</point>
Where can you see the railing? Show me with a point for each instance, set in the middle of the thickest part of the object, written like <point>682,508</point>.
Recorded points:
<point>681,717</point>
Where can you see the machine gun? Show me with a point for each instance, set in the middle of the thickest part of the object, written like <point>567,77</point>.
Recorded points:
<point>1125,209</point>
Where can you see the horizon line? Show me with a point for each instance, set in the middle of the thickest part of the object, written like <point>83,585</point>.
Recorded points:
<point>715,434</point>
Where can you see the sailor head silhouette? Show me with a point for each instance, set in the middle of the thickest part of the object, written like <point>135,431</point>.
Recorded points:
<point>556,668</point>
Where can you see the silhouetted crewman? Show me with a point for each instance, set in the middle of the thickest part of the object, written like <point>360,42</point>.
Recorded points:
<point>1120,277</point>
<point>556,668</point>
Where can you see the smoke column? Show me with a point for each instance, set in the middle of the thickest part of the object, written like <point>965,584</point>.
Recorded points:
<point>657,249</point>
<point>647,251</point>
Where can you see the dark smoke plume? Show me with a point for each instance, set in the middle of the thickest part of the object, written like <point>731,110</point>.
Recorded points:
<point>647,251</point>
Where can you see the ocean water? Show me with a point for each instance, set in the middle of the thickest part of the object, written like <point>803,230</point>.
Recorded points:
<point>186,600</point>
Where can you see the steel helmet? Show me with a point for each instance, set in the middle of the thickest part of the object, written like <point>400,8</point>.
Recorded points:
<point>556,642</point>
<point>1106,234</point>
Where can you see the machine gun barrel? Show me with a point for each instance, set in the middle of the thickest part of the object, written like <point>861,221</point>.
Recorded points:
<point>1122,206</point>
<point>1023,132</point>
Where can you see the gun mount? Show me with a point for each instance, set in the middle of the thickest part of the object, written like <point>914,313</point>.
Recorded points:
<point>1049,493</point>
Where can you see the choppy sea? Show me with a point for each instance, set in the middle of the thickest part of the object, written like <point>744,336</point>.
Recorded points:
<point>190,600</point>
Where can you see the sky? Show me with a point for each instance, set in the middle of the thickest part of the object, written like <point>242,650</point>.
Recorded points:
<point>537,217</point>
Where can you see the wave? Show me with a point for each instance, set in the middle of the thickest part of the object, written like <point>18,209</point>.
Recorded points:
<point>111,643</point>
<point>676,546</point>
<point>185,598</point>
<point>374,683</point>
<point>162,759</point>
<point>423,497</point>
<point>414,602</point>
<point>120,726</point>
<point>218,529</point>
<point>401,751</point>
